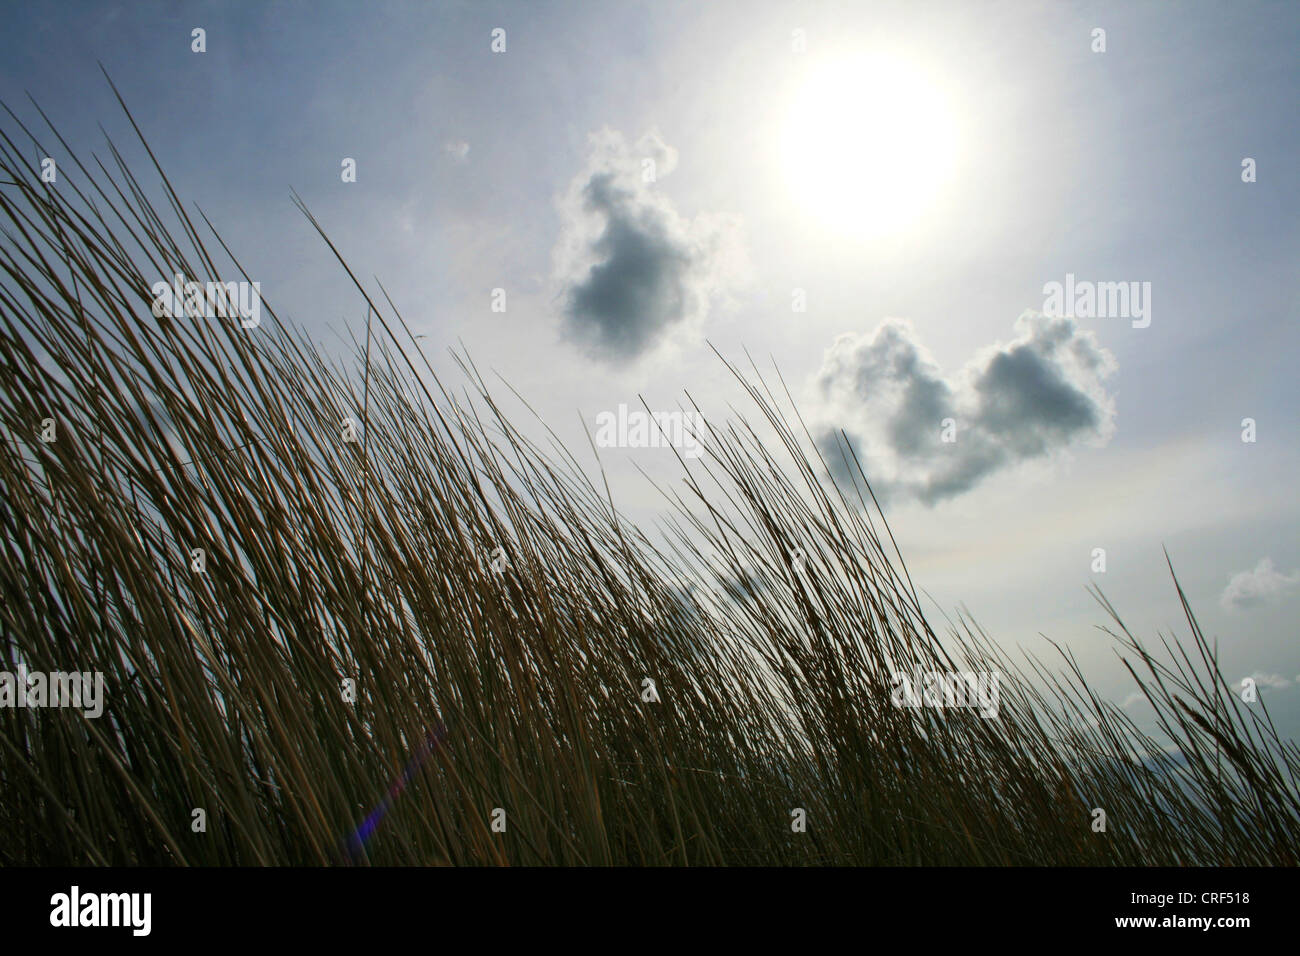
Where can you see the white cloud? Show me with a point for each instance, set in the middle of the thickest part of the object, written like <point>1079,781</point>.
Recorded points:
<point>1275,681</point>
<point>1260,586</point>
<point>457,150</point>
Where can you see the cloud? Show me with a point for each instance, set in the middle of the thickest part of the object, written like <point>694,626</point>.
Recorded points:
<point>631,269</point>
<point>458,150</point>
<point>1275,681</point>
<point>1261,586</point>
<point>1010,403</point>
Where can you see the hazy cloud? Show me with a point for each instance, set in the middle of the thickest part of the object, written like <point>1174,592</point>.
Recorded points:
<point>1275,681</point>
<point>631,269</point>
<point>458,151</point>
<point>1260,586</point>
<point>1009,403</point>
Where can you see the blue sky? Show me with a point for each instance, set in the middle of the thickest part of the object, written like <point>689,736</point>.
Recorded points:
<point>473,167</point>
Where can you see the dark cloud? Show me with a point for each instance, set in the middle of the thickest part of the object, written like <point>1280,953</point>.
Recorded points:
<point>631,269</point>
<point>1010,403</point>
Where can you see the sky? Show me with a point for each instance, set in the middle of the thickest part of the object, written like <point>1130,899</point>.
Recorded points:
<point>872,199</point>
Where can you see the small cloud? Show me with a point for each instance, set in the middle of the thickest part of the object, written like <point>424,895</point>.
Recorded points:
<point>1133,699</point>
<point>631,269</point>
<point>457,150</point>
<point>1264,585</point>
<point>1275,681</point>
<point>1011,402</point>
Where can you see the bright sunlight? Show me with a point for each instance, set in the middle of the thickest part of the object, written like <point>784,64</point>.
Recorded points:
<point>869,145</point>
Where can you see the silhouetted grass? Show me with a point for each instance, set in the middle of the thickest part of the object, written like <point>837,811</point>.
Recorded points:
<point>519,688</point>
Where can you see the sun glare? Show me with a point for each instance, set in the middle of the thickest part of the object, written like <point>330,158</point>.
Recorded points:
<point>869,145</point>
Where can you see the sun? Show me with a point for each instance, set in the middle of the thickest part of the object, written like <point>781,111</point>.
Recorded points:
<point>869,145</point>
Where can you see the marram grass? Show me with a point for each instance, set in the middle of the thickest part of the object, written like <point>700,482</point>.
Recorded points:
<point>398,645</point>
